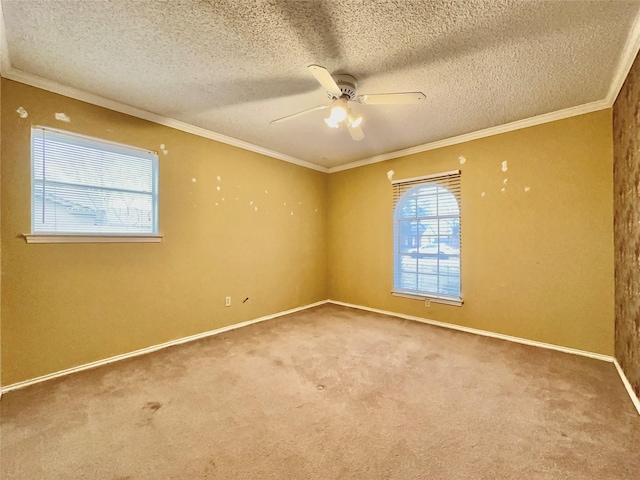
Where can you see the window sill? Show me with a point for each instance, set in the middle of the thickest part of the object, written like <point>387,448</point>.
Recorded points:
<point>62,238</point>
<point>444,301</point>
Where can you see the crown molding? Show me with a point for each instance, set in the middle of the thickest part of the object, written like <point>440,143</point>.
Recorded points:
<point>628,56</point>
<point>487,132</point>
<point>77,94</point>
<point>6,71</point>
<point>54,87</point>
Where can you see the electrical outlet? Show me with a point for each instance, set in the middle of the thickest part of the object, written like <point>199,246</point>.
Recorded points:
<point>227,301</point>
<point>427,303</point>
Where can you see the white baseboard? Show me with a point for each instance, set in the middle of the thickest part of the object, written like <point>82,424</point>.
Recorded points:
<point>524,341</point>
<point>191,338</point>
<point>153,348</point>
<point>484,333</point>
<point>627,385</point>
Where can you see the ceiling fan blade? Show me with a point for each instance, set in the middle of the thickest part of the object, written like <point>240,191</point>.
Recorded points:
<point>355,132</point>
<point>299,114</point>
<point>325,79</point>
<point>391,98</point>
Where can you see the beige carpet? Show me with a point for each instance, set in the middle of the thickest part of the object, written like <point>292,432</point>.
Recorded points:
<point>328,393</point>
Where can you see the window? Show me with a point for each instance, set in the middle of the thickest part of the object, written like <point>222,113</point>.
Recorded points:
<point>427,237</point>
<point>88,186</point>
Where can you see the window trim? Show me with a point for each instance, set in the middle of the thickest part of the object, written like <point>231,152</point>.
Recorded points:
<point>408,184</point>
<point>83,238</point>
<point>422,298</point>
<point>91,237</point>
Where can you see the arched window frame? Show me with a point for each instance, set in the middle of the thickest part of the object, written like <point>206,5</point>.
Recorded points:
<point>427,238</point>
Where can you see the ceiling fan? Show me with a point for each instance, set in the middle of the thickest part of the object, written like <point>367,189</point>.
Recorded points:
<point>342,90</point>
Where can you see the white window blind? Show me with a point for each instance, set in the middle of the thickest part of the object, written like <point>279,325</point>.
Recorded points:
<point>83,185</point>
<point>427,236</point>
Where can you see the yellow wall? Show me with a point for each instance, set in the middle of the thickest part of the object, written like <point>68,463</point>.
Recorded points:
<point>66,305</point>
<point>536,264</point>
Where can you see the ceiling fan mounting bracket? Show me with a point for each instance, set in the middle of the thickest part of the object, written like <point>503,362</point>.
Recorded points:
<point>347,85</point>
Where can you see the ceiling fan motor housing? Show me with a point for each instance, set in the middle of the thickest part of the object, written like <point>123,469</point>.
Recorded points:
<point>347,85</point>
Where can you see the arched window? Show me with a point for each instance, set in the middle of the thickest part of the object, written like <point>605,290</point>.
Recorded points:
<point>427,237</point>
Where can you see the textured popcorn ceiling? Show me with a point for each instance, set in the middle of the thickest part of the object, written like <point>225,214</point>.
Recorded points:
<point>232,66</point>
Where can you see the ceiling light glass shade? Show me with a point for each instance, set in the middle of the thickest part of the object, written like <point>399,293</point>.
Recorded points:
<point>338,113</point>
<point>329,121</point>
<point>354,121</point>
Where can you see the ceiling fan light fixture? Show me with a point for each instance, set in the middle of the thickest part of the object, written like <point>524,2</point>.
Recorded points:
<point>338,112</point>
<point>331,122</point>
<point>355,121</point>
<point>341,89</point>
